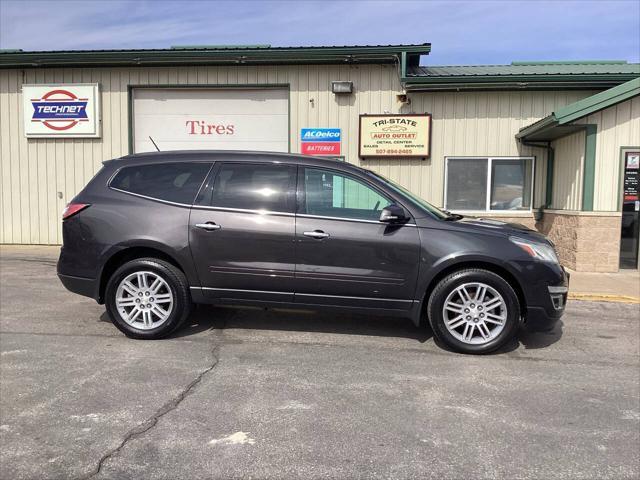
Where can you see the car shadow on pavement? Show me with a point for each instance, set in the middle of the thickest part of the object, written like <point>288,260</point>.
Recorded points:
<point>205,317</point>
<point>535,340</point>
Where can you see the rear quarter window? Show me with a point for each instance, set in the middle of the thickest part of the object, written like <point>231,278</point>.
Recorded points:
<point>173,182</point>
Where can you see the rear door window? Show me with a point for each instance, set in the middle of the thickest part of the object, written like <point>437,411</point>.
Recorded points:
<point>173,182</point>
<point>248,186</point>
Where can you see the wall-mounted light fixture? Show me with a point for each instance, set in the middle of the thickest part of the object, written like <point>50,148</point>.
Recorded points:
<point>341,87</point>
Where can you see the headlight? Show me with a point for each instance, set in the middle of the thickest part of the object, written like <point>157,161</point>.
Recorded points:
<point>541,251</point>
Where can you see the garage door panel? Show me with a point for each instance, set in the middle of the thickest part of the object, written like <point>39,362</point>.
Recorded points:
<point>226,119</point>
<point>203,100</point>
<point>147,146</point>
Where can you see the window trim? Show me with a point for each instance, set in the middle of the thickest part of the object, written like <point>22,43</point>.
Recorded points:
<point>211,163</point>
<point>489,163</point>
<point>301,195</point>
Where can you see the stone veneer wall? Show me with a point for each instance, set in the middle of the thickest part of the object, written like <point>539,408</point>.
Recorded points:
<point>585,242</point>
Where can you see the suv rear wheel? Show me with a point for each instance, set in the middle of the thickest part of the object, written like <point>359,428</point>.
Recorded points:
<point>474,311</point>
<point>148,298</point>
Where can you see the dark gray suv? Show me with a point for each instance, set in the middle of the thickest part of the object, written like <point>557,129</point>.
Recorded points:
<point>153,233</point>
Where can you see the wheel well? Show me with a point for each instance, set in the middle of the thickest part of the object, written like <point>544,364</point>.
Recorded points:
<point>483,265</point>
<point>127,255</point>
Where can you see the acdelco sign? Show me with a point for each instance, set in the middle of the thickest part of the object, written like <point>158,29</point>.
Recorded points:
<point>69,110</point>
<point>320,141</point>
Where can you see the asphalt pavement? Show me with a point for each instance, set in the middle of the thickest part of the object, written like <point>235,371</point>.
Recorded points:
<point>249,393</point>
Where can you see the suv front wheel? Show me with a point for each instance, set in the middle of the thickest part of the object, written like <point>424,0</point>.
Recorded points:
<point>148,298</point>
<point>474,311</point>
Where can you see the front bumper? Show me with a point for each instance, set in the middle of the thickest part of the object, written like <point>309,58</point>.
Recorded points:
<point>544,317</point>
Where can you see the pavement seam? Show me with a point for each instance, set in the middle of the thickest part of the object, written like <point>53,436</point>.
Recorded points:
<point>152,421</point>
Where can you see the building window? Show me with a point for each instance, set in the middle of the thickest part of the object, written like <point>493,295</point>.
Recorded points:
<point>488,184</point>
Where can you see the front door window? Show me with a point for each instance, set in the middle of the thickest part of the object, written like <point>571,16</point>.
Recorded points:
<point>331,194</point>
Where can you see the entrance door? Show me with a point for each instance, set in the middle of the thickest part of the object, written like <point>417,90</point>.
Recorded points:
<point>629,237</point>
<point>242,232</point>
<point>345,256</point>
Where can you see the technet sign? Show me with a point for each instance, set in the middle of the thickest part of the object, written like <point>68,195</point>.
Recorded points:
<point>61,110</point>
<point>320,141</point>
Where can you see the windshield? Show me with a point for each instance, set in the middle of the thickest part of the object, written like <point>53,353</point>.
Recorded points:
<point>435,211</point>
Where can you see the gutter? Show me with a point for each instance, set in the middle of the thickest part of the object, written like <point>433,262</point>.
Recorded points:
<point>546,123</point>
<point>211,56</point>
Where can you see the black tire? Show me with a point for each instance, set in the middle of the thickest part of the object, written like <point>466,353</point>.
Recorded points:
<point>177,283</point>
<point>447,285</point>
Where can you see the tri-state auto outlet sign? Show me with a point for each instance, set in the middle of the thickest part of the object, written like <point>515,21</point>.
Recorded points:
<point>396,136</point>
<point>61,110</point>
<point>320,141</point>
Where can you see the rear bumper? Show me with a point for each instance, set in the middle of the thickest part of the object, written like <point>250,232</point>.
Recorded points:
<point>79,285</point>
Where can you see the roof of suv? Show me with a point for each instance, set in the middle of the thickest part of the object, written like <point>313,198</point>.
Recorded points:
<point>234,155</point>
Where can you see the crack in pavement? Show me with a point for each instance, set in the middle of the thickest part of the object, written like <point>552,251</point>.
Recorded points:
<point>168,407</point>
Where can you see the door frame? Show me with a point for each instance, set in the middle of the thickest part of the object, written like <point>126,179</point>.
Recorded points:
<point>622,163</point>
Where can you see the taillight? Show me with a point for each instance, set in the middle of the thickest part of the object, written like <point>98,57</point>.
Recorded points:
<point>73,208</point>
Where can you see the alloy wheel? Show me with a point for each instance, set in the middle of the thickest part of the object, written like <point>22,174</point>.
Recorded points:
<point>144,300</point>
<point>474,313</point>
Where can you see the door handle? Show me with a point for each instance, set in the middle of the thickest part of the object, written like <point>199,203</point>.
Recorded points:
<point>319,234</point>
<point>209,226</point>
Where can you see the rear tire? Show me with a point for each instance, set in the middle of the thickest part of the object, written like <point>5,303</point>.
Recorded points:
<point>474,311</point>
<point>148,298</point>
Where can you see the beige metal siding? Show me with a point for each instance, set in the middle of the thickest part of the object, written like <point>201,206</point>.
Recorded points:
<point>480,124</point>
<point>567,175</point>
<point>618,126</point>
<point>34,170</point>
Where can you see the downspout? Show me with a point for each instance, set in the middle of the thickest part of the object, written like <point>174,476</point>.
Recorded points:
<point>402,68</point>
<point>549,180</point>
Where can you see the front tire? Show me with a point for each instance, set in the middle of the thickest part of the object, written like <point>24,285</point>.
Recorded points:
<point>474,311</point>
<point>148,298</point>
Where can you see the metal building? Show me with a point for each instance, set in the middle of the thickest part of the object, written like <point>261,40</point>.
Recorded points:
<point>553,145</point>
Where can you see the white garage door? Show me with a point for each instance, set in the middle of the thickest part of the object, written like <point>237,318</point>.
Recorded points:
<point>220,119</point>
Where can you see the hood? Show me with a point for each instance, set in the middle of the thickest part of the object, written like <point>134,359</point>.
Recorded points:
<point>490,225</point>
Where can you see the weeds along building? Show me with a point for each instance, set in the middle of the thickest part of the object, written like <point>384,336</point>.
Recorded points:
<point>553,145</point>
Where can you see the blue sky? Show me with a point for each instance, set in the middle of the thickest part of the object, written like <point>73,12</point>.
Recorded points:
<point>461,32</point>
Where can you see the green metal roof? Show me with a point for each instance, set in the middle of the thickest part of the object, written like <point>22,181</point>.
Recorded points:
<point>213,55</point>
<point>558,124</point>
<point>522,75</point>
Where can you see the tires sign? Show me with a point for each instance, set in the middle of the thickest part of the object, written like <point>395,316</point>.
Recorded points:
<point>61,110</point>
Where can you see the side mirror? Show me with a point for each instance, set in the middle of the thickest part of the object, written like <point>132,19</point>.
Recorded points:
<point>393,214</point>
